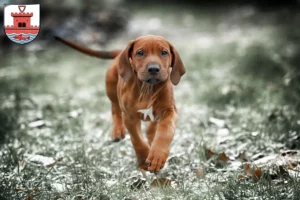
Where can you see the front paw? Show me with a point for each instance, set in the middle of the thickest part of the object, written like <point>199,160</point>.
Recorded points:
<point>157,158</point>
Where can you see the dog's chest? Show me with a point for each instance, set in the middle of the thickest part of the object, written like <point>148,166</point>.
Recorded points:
<point>142,110</point>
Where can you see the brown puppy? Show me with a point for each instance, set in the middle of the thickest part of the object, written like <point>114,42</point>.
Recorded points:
<point>139,84</point>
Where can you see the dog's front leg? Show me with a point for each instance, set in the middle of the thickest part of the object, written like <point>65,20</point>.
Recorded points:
<point>140,146</point>
<point>160,146</point>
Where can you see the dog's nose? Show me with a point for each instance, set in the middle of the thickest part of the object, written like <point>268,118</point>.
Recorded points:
<point>153,69</point>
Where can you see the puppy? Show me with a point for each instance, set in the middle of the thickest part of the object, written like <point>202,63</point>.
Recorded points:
<point>139,84</point>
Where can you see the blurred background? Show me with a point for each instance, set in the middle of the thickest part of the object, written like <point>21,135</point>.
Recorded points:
<point>96,23</point>
<point>241,93</point>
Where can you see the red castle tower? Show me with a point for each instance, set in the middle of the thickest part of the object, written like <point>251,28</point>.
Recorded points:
<point>22,23</point>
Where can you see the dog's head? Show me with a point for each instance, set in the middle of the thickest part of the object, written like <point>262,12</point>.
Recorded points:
<point>151,57</point>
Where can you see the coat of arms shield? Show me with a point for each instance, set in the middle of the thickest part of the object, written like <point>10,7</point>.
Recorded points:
<point>22,22</point>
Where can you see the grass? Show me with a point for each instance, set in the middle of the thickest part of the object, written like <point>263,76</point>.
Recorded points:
<point>245,74</point>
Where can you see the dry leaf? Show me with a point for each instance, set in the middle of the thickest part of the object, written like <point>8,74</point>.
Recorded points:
<point>75,113</point>
<point>46,161</point>
<point>241,177</point>
<point>29,198</point>
<point>222,132</point>
<point>243,156</point>
<point>218,122</point>
<point>265,160</point>
<point>200,173</point>
<point>251,172</point>
<point>223,157</point>
<point>257,173</point>
<point>37,124</point>
<point>163,182</point>
<point>59,159</point>
<point>209,153</point>
<point>54,163</point>
<point>247,169</point>
<point>291,165</point>
<point>20,189</point>
<point>21,165</point>
<point>288,153</point>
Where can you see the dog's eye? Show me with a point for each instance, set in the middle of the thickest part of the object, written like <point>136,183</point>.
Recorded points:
<point>140,53</point>
<point>164,53</point>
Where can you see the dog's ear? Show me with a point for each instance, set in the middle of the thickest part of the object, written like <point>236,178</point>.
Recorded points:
<point>125,70</point>
<point>177,66</point>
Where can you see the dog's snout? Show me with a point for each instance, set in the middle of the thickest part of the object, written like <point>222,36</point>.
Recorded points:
<point>153,69</point>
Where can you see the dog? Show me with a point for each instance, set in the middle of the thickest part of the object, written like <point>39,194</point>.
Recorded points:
<point>139,84</point>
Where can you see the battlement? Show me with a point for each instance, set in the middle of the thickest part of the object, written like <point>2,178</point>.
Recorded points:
<point>22,14</point>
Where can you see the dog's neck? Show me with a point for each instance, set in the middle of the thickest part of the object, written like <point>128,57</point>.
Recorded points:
<point>145,91</point>
<point>150,91</point>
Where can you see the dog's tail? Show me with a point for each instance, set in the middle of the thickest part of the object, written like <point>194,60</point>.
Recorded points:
<point>91,52</point>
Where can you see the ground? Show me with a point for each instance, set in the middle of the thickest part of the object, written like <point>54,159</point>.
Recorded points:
<point>240,95</point>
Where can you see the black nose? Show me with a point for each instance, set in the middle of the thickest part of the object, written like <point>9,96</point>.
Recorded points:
<point>153,69</point>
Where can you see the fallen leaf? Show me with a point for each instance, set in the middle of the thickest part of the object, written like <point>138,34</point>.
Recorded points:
<point>265,160</point>
<point>21,165</point>
<point>223,132</point>
<point>243,156</point>
<point>247,169</point>
<point>218,122</point>
<point>241,177</point>
<point>163,182</point>
<point>20,189</point>
<point>257,156</point>
<point>59,187</point>
<point>29,198</point>
<point>288,153</point>
<point>45,161</point>
<point>59,159</point>
<point>75,113</point>
<point>223,157</point>
<point>54,163</point>
<point>37,124</point>
<point>274,166</point>
<point>235,164</point>
<point>291,165</point>
<point>251,172</point>
<point>257,173</point>
<point>200,173</point>
<point>209,153</point>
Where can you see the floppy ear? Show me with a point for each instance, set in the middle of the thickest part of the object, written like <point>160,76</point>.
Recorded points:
<point>177,66</point>
<point>125,70</point>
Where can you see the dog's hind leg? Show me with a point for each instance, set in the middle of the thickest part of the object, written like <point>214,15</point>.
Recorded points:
<point>118,131</point>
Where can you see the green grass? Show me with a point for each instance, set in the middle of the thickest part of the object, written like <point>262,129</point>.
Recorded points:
<point>237,70</point>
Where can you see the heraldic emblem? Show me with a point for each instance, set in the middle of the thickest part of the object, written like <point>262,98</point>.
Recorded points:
<point>22,22</point>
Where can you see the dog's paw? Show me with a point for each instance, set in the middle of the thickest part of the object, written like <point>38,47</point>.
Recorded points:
<point>118,133</point>
<point>142,163</point>
<point>142,152</point>
<point>156,159</point>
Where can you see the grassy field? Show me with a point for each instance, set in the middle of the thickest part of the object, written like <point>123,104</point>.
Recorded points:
<point>240,95</point>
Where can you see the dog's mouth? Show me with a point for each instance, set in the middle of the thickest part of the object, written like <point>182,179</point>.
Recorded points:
<point>153,81</point>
